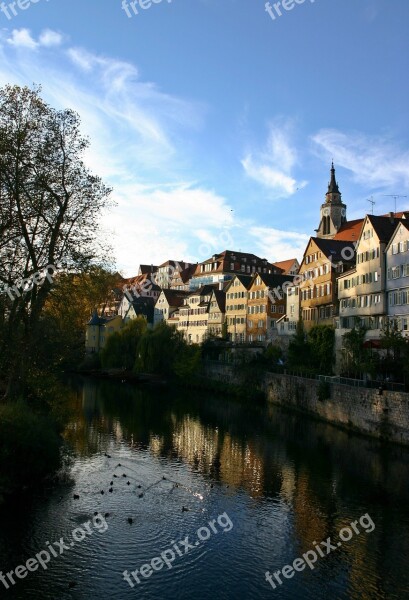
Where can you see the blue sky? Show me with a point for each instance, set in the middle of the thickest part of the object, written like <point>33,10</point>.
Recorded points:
<point>215,124</point>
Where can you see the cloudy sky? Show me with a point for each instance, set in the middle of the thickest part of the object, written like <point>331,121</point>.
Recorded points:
<point>215,124</point>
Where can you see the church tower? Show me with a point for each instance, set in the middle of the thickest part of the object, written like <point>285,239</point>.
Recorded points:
<point>333,211</point>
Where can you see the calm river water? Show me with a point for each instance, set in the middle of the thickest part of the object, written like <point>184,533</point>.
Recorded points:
<point>252,488</point>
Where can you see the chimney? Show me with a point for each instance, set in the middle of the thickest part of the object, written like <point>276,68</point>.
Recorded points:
<point>392,217</point>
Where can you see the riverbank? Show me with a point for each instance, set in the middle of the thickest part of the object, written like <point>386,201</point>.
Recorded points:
<point>384,416</point>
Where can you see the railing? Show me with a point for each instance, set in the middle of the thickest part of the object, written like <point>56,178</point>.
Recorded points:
<point>368,383</point>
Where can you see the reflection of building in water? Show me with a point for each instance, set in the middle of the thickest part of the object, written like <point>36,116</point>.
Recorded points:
<point>196,444</point>
<point>310,519</point>
<point>215,453</point>
<point>287,491</point>
<point>156,444</point>
<point>241,466</point>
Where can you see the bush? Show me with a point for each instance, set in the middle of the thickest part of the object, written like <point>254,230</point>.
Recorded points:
<point>163,351</point>
<point>29,447</point>
<point>120,349</point>
<point>324,391</point>
<point>90,362</point>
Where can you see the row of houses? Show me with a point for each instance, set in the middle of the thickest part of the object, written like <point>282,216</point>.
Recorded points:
<point>351,272</point>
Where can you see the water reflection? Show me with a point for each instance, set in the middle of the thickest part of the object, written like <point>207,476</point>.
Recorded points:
<point>286,481</point>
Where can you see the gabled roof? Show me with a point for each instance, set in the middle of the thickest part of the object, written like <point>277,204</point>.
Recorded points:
<point>185,274</point>
<point>285,265</point>
<point>384,227</point>
<point>245,280</point>
<point>220,297</point>
<point>208,288</point>
<point>404,224</point>
<point>96,320</point>
<point>349,231</point>
<point>174,297</point>
<point>398,215</point>
<point>333,248</point>
<point>225,259</point>
<point>174,263</point>
<point>137,302</point>
<point>147,269</point>
<point>272,279</point>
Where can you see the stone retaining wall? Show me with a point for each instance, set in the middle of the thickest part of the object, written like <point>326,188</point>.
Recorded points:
<point>383,416</point>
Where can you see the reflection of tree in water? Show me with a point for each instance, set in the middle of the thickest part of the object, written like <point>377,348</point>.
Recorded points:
<point>317,471</point>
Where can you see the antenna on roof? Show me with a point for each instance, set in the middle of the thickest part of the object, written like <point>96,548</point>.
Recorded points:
<point>394,196</point>
<point>372,201</point>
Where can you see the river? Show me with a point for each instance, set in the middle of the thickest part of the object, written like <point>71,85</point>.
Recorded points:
<point>202,495</point>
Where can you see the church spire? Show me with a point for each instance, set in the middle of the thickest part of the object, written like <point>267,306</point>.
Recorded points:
<point>333,186</point>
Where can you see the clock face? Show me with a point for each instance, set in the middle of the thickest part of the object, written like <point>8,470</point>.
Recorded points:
<point>343,212</point>
<point>326,212</point>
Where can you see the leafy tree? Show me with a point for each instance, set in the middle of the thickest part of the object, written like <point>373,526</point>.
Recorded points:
<point>163,351</point>
<point>355,356</point>
<point>49,211</point>
<point>273,353</point>
<point>321,339</point>
<point>395,362</point>
<point>299,355</point>
<point>313,351</point>
<point>69,306</point>
<point>120,349</point>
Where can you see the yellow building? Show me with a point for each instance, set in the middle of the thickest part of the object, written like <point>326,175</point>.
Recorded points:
<point>323,261</point>
<point>266,301</point>
<point>236,307</point>
<point>98,331</point>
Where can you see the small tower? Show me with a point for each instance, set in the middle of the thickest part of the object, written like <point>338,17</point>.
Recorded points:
<point>333,211</point>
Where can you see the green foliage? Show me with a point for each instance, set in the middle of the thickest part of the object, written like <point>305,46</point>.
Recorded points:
<point>299,355</point>
<point>163,351</point>
<point>324,391</point>
<point>187,362</point>
<point>29,446</point>
<point>395,361</point>
<point>91,362</point>
<point>273,353</point>
<point>120,348</point>
<point>225,331</point>
<point>321,339</point>
<point>314,351</point>
<point>356,358</point>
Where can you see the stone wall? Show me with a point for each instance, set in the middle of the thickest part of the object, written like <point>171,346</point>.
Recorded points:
<point>383,416</point>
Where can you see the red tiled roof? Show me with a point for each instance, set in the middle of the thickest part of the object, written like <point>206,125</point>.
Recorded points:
<point>350,231</point>
<point>285,265</point>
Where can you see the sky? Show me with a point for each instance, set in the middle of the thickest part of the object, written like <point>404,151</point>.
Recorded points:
<point>215,122</point>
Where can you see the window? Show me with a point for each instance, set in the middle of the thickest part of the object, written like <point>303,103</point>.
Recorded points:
<point>395,248</point>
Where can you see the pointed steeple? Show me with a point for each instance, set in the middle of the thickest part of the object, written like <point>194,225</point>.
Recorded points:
<point>333,186</point>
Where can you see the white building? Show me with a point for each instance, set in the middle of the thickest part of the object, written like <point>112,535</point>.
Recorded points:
<point>397,277</point>
<point>362,290</point>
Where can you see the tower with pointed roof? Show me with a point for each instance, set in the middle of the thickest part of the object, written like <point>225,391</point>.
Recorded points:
<point>333,211</point>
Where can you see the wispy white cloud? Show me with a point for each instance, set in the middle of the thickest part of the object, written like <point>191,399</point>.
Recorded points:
<point>374,162</point>
<point>276,244</point>
<point>50,38</point>
<point>21,38</point>
<point>137,145</point>
<point>273,166</point>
